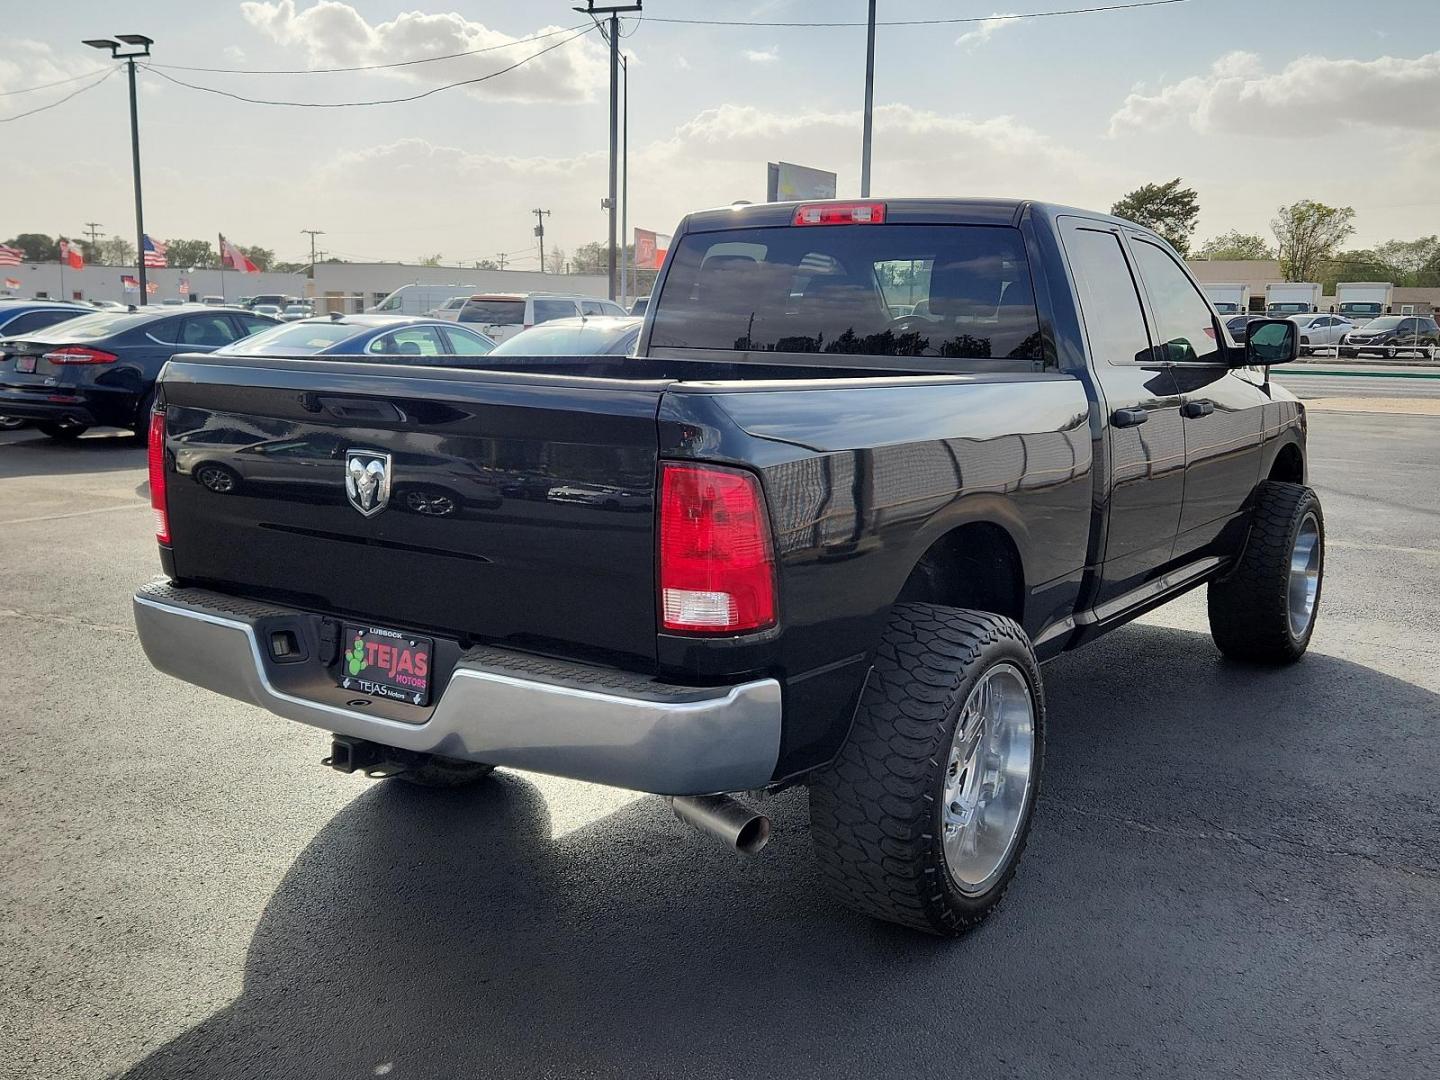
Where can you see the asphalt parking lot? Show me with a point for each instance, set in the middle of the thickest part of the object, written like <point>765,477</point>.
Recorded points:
<point>1232,873</point>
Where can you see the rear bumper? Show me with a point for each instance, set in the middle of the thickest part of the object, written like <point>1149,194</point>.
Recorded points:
<point>65,405</point>
<point>499,707</point>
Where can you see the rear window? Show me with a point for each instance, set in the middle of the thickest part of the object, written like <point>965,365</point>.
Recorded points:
<point>949,291</point>
<point>293,339</point>
<point>498,312</point>
<point>93,327</point>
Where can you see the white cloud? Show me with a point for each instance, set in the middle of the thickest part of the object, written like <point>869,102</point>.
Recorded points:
<point>973,39</point>
<point>335,34</point>
<point>235,54</point>
<point>1307,97</point>
<point>763,56</point>
<point>33,63</point>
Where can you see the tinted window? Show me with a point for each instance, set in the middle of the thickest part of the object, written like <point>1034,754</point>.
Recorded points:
<point>93,327</point>
<point>1182,318</point>
<point>35,320</point>
<point>834,289</point>
<point>496,312</point>
<point>464,343</point>
<point>545,310</point>
<point>1385,322</point>
<point>416,341</point>
<point>251,325</point>
<point>293,339</point>
<point>1109,302</point>
<point>206,330</point>
<point>592,307</point>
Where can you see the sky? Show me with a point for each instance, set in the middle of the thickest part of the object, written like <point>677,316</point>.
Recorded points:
<point>1255,104</point>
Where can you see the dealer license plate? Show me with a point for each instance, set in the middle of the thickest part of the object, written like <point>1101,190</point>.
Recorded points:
<point>24,363</point>
<point>386,663</point>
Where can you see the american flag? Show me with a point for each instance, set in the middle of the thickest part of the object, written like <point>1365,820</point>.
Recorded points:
<point>10,256</point>
<point>154,253</point>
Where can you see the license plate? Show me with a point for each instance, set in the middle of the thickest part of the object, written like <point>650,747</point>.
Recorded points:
<point>386,663</point>
<point>24,363</point>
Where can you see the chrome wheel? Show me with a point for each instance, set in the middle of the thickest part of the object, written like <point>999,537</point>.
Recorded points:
<point>1304,575</point>
<point>987,778</point>
<point>221,481</point>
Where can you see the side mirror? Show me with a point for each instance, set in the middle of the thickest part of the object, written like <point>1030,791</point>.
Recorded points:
<point>1271,341</point>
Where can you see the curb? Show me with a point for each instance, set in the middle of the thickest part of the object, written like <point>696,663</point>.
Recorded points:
<point>1371,374</point>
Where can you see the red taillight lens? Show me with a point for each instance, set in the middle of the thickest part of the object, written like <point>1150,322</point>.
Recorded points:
<point>717,565</point>
<point>158,503</point>
<point>866,213</point>
<point>79,354</point>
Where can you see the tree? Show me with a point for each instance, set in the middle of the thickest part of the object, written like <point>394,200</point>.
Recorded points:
<point>1169,209</point>
<point>187,253</point>
<point>263,258</point>
<point>290,267</point>
<point>429,260</point>
<point>591,258</point>
<point>1236,245</point>
<point>486,264</point>
<point>37,247</point>
<point>556,258</point>
<point>1309,233</point>
<point>117,251</point>
<point>1409,258</point>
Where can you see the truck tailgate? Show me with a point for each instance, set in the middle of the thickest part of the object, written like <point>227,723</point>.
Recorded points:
<point>482,505</point>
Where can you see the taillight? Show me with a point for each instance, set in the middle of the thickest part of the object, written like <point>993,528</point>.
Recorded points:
<point>158,503</point>
<point>717,565</point>
<point>79,354</point>
<point>862,213</point>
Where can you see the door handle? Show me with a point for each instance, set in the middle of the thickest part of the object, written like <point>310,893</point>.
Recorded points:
<point>1128,417</point>
<point>1195,409</point>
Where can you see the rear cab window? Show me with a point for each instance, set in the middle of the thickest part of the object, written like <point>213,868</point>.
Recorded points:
<point>942,292</point>
<point>546,310</point>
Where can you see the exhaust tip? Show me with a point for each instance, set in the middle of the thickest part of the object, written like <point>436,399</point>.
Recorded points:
<point>753,835</point>
<point>725,819</point>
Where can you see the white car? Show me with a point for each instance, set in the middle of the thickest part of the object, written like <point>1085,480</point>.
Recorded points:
<point>296,312</point>
<point>1321,331</point>
<point>503,315</point>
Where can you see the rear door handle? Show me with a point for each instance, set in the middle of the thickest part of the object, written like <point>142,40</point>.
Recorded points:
<point>1129,417</point>
<point>1195,409</point>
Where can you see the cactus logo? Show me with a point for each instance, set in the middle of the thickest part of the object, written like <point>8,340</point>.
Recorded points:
<point>354,657</point>
<point>367,480</point>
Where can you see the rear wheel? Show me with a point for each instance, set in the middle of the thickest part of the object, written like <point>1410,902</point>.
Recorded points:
<point>1264,610</point>
<point>923,815</point>
<point>63,432</point>
<point>218,478</point>
<point>10,423</point>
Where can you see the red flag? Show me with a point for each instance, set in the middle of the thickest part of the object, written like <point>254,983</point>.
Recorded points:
<point>70,256</point>
<point>234,258</point>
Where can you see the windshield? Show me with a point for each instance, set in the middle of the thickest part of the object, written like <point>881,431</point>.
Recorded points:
<point>574,337</point>
<point>848,288</point>
<point>1360,309</point>
<point>1293,309</point>
<point>92,327</point>
<point>1387,322</point>
<point>497,312</point>
<point>293,339</point>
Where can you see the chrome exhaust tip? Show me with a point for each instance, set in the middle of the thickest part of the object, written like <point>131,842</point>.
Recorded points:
<point>728,820</point>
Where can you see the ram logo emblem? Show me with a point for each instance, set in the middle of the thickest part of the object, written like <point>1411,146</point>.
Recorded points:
<point>367,480</point>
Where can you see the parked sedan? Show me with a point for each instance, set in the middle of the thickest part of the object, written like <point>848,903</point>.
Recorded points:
<point>597,335</point>
<point>383,335</point>
<point>1392,335</point>
<point>20,316</point>
<point>1321,331</point>
<point>100,369</point>
<point>296,312</point>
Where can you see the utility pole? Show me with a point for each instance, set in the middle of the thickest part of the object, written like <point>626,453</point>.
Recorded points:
<point>612,200</point>
<point>501,260</point>
<point>540,216</point>
<point>140,46</point>
<point>626,256</point>
<point>312,234</point>
<point>92,229</point>
<point>869,104</point>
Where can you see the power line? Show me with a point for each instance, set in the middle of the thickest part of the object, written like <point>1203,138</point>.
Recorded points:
<point>48,85</point>
<point>378,101</point>
<point>921,22</point>
<point>59,101</point>
<point>366,67</point>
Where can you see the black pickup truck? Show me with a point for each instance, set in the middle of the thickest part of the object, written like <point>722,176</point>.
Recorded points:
<point>872,464</point>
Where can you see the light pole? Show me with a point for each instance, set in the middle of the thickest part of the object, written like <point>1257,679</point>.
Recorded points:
<point>869,104</point>
<point>139,46</point>
<point>625,259</point>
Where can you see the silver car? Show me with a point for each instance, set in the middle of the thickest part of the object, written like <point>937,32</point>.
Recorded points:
<point>1321,331</point>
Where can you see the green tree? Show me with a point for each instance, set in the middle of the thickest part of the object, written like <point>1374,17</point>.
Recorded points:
<point>591,258</point>
<point>1309,233</point>
<point>1235,245</point>
<point>1168,208</point>
<point>1364,265</point>
<point>187,253</point>
<point>486,264</point>
<point>37,247</point>
<point>290,267</point>
<point>1409,258</point>
<point>428,260</point>
<point>263,258</point>
<point>117,251</point>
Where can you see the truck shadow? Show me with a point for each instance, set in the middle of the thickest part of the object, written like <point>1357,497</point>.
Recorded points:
<point>429,934</point>
<point>26,452</point>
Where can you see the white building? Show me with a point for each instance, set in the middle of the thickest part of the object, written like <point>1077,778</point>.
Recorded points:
<point>104,283</point>
<point>353,286</point>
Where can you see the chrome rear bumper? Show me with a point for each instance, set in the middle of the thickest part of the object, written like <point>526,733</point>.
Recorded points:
<point>499,707</point>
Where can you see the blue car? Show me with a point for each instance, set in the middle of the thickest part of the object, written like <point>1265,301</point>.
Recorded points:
<point>357,335</point>
<point>20,316</point>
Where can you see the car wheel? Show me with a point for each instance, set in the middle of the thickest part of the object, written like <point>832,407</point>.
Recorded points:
<point>443,772</point>
<point>923,815</point>
<point>218,478</point>
<point>10,423</point>
<point>63,432</point>
<point>1263,611</point>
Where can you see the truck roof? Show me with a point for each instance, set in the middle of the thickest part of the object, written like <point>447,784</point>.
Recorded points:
<point>963,211</point>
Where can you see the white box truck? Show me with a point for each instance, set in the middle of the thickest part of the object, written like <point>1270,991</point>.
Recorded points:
<point>1361,301</point>
<point>1229,297</point>
<point>1284,298</point>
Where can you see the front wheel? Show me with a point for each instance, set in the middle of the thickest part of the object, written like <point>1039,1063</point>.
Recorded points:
<point>922,817</point>
<point>1264,610</point>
